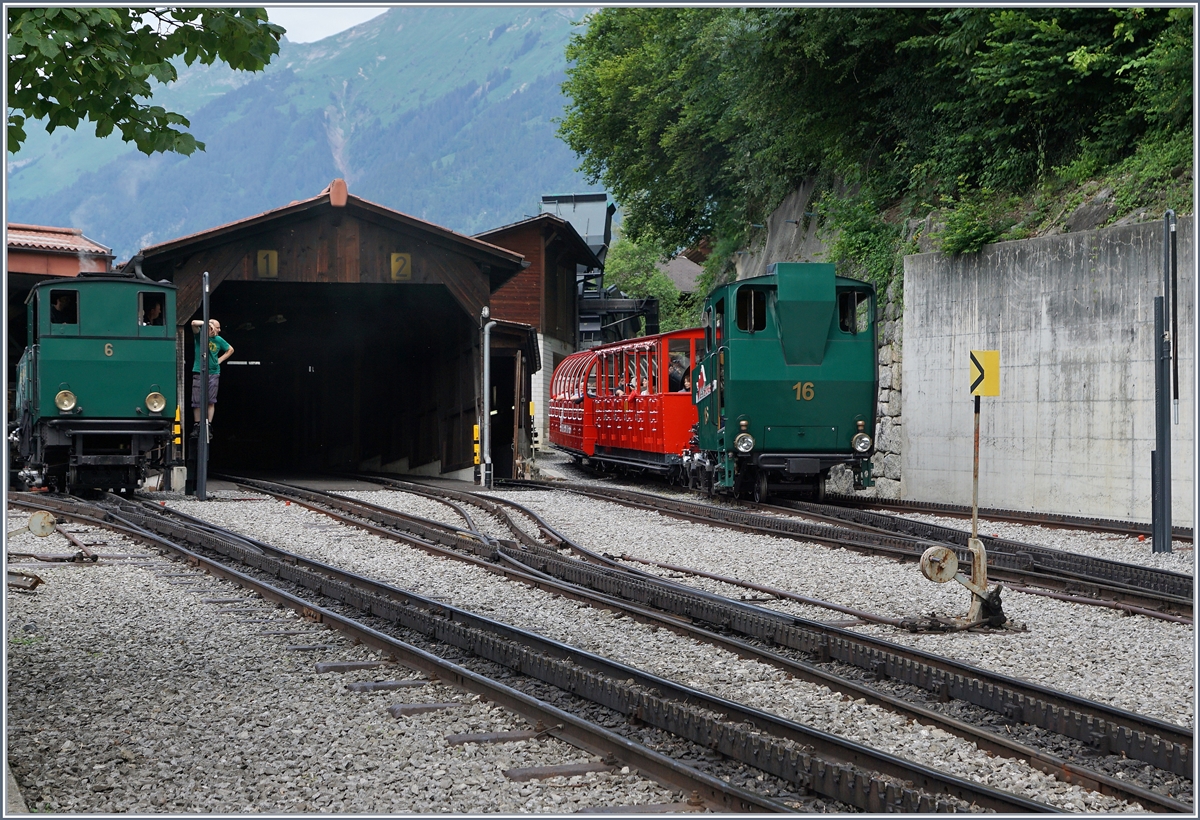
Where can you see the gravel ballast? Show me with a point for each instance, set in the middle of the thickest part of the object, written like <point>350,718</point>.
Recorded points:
<point>656,651</point>
<point>127,693</point>
<point>1136,663</point>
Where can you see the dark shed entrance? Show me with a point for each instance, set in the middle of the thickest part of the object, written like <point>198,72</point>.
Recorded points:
<point>355,332</point>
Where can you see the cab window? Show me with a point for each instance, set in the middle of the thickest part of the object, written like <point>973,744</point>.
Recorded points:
<point>719,323</point>
<point>751,310</point>
<point>64,307</point>
<point>854,311</point>
<point>152,308</point>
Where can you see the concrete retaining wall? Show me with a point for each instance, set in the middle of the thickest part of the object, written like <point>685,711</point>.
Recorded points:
<point>1073,427</point>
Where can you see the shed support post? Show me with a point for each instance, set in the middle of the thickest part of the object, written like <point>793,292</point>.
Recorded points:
<point>202,439</point>
<point>485,427</point>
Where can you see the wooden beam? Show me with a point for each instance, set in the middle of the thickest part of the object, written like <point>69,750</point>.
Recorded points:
<point>189,282</point>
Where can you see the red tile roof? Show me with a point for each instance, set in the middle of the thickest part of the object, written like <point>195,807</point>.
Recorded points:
<point>45,238</point>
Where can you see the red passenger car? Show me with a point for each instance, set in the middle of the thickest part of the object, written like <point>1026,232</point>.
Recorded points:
<point>628,403</point>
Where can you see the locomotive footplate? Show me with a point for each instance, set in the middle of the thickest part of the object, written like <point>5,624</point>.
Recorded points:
<point>809,464</point>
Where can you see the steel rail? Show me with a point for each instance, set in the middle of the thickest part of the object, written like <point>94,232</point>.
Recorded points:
<point>1002,566</point>
<point>834,771</point>
<point>568,727</point>
<point>1015,516</point>
<point>1104,727</point>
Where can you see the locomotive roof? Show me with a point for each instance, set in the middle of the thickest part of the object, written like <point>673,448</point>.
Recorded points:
<point>751,279</point>
<point>110,278</point>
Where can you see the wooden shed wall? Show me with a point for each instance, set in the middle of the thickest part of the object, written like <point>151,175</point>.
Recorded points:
<point>544,294</point>
<point>520,300</point>
<point>331,247</point>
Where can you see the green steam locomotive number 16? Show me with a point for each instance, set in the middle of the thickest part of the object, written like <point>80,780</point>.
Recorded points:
<point>804,391</point>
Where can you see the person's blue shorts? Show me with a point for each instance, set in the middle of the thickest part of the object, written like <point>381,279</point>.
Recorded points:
<point>212,388</point>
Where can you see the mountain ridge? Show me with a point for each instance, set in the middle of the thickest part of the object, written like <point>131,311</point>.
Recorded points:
<point>447,114</point>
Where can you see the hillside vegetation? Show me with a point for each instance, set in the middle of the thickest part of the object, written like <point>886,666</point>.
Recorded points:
<point>444,113</point>
<point>700,121</point>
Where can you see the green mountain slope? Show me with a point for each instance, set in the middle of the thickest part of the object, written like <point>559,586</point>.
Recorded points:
<point>443,113</point>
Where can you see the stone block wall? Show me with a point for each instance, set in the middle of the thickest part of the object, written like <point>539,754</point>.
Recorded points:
<point>889,426</point>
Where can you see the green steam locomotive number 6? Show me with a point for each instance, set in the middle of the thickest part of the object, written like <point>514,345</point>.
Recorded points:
<point>96,397</point>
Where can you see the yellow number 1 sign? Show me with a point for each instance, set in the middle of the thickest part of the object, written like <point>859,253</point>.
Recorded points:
<point>985,372</point>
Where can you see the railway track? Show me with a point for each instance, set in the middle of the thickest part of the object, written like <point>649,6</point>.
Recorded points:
<point>810,762</point>
<point>923,674</point>
<point>857,679</point>
<point>292,581</point>
<point>1015,516</point>
<point>1024,567</point>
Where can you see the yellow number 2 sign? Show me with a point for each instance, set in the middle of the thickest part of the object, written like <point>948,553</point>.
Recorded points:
<point>401,267</point>
<point>985,372</point>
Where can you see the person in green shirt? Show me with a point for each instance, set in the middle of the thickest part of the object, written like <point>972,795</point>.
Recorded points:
<point>218,351</point>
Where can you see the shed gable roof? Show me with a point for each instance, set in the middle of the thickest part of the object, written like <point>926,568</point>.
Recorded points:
<point>585,255</point>
<point>501,264</point>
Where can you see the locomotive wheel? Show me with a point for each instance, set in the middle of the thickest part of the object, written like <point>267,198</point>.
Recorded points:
<point>819,489</point>
<point>760,487</point>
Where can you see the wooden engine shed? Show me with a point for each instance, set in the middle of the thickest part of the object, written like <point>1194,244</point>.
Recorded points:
<point>356,336</point>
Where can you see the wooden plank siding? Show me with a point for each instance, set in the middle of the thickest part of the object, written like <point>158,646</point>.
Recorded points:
<point>544,294</point>
<point>522,298</point>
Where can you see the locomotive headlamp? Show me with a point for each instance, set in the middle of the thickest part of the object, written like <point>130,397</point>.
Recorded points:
<point>861,442</point>
<point>156,402</point>
<point>65,400</point>
<point>744,442</point>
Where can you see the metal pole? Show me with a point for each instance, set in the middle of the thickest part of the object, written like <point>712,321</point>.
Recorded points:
<point>975,479</point>
<point>485,429</point>
<point>202,438</point>
<point>1174,314</point>
<point>1155,517</point>
<point>1161,492</point>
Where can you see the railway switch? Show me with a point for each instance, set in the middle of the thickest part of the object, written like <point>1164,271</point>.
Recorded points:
<point>940,565</point>
<point>41,524</point>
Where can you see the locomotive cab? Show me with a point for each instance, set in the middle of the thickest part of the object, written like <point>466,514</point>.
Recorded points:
<point>788,387</point>
<point>96,385</point>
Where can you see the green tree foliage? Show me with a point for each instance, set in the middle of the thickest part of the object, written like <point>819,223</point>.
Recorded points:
<point>701,120</point>
<point>70,64</point>
<point>644,90</point>
<point>633,267</point>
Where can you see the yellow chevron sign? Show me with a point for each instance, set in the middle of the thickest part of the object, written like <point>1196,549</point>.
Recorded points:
<point>985,372</point>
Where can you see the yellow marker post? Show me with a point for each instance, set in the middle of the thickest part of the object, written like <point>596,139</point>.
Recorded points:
<point>985,372</point>
<point>476,443</point>
<point>985,381</point>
